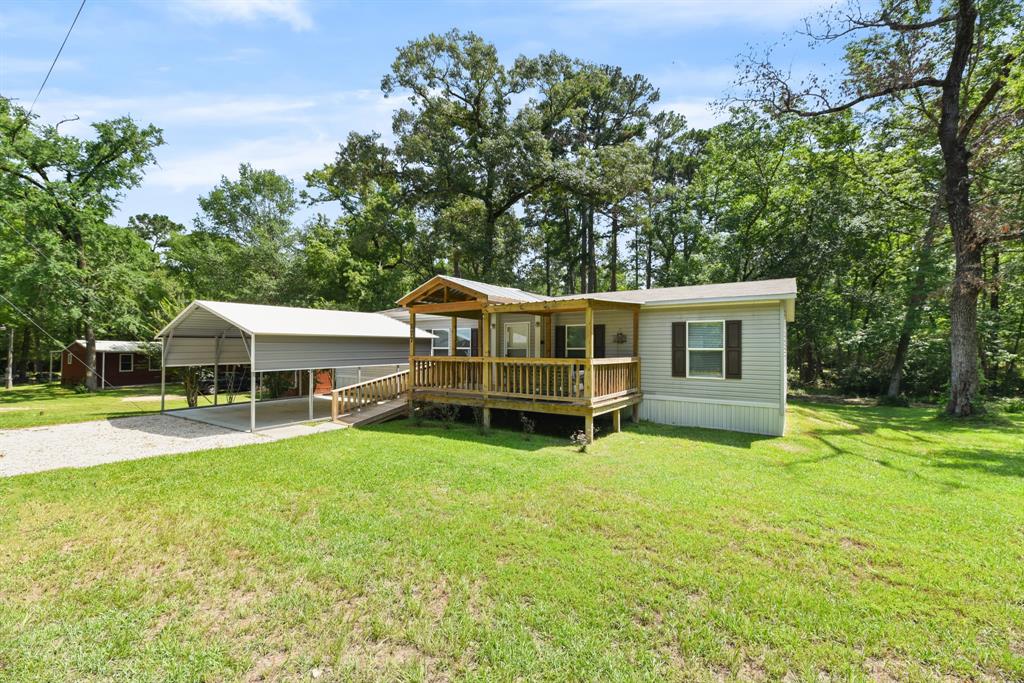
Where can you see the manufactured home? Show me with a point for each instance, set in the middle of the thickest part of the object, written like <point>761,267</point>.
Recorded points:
<point>705,355</point>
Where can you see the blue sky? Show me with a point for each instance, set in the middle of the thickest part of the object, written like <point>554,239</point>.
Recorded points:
<point>279,83</point>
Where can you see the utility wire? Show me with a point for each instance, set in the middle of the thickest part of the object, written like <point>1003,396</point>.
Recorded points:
<point>54,63</point>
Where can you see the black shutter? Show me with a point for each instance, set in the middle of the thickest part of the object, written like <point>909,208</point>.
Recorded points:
<point>474,341</point>
<point>679,349</point>
<point>733,349</point>
<point>598,341</point>
<point>559,341</point>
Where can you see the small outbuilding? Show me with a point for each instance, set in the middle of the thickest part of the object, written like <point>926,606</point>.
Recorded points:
<point>118,363</point>
<point>280,338</point>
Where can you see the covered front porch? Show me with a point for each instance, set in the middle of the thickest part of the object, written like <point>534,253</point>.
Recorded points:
<point>532,371</point>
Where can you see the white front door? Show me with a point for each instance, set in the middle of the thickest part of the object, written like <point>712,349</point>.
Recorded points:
<point>517,339</point>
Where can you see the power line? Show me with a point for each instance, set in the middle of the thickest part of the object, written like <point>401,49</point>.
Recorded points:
<point>56,57</point>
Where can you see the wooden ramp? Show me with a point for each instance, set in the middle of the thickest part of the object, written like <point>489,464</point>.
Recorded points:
<point>375,400</point>
<point>375,413</point>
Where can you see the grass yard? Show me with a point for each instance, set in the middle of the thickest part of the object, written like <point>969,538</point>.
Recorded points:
<point>881,544</point>
<point>35,405</point>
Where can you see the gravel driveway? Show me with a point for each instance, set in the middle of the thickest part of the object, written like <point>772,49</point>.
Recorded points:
<point>83,444</point>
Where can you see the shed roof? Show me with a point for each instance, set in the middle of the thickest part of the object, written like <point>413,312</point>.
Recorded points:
<point>259,319</point>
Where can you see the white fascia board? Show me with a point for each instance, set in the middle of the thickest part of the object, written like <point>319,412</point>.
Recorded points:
<point>752,298</point>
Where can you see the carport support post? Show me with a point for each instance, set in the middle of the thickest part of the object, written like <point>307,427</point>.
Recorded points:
<point>310,388</point>
<point>252,383</point>
<point>164,343</point>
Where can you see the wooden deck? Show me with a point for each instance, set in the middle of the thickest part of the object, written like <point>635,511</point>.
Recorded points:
<point>564,386</point>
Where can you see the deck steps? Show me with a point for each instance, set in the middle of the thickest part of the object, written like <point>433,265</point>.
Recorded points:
<point>375,414</point>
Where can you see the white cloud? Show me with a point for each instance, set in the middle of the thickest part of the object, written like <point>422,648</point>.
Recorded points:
<point>292,12</point>
<point>676,14</point>
<point>699,113</point>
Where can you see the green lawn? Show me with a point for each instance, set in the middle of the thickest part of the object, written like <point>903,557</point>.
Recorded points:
<point>869,543</point>
<point>35,405</point>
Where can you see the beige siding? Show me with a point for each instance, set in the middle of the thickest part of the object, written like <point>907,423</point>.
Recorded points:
<point>287,353</point>
<point>755,403</point>
<point>188,351</point>
<point>615,321</point>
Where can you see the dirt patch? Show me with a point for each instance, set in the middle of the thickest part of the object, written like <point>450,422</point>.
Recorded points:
<point>11,409</point>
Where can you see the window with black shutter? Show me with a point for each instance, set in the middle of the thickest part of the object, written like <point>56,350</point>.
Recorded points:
<point>734,349</point>
<point>679,349</point>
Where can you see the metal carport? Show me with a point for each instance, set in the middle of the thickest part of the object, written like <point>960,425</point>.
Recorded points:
<point>281,338</point>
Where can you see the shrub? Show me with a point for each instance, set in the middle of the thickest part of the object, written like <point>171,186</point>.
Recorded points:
<point>421,412</point>
<point>448,412</point>
<point>580,441</point>
<point>1013,405</point>
<point>529,426</point>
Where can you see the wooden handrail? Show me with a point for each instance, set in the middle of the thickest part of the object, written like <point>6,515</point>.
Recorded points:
<point>547,379</point>
<point>369,392</point>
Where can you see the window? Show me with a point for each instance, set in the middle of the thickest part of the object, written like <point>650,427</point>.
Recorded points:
<point>153,362</point>
<point>126,362</point>
<point>463,341</point>
<point>67,358</point>
<point>517,339</point>
<point>705,349</point>
<point>575,341</point>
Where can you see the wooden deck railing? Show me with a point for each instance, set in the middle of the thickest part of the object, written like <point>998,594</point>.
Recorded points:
<point>355,396</point>
<point>547,379</point>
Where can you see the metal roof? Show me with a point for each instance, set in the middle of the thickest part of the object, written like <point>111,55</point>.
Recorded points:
<point>497,291</point>
<point>784,288</point>
<point>114,346</point>
<point>285,321</point>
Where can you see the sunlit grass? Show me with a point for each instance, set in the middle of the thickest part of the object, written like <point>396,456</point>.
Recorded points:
<point>867,543</point>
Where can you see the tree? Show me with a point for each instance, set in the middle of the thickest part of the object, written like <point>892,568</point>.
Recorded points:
<point>155,229</point>
<point>966,55</point>
<point>67,187</point>
<point>460,140</point>
<point>245,231</point>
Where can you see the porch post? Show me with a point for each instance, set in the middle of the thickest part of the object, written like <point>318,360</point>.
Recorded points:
<point>617,420</point>
<point>252,383</point>
<point>588,428</point>
<point>412,352</point>
<point>588,380</point>
<point>484,335</point>
<point>452,344</point>
<point>636,331</point>
<point>549,344</point>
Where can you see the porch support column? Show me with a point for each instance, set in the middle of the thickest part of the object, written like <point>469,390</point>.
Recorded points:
<point>636,331</point>
<point>588,379</point>
<point>484,334</point>
<point>252,383</point>
<point>588,428</point>
<point>549,344</point>
<point>412,352</point>
<point>617,421</point>
<point>452,341</point>
<point>310,387</point>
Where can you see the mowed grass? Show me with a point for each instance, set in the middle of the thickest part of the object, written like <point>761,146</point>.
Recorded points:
<point>36,405</point>
<point>868,543</point>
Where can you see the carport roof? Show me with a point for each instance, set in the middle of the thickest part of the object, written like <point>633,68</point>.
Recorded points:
<point>287,321</point>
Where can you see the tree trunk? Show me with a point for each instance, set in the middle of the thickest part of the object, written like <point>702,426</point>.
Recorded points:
<point>613,252</point>
<point>918,295</point>
<point>963,300</point>
<point>992,368</point>
<point>649,266</point>
<point>9,370</point>
<point>24,353</point>
<point>90,357</point>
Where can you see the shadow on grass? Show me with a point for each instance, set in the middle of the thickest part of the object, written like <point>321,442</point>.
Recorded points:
<point>504,438</point>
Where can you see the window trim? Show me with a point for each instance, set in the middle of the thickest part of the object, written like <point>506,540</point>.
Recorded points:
<point>120,362</point>
<point>69,358</point>
<point>447,349</point>
<point>689,363</point>
<point>504,340</point>
<point>581,349</point>
<point>150,360</point>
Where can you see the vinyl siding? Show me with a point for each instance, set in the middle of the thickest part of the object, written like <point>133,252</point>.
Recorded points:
<point>186,351</point>
<point>287,353</point>
<point>755,403</point>
<point>615,321</point>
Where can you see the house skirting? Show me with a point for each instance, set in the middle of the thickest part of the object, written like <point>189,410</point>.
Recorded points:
<point>737,416</point>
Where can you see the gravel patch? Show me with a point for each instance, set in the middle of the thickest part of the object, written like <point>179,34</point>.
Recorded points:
<point>85,444</point>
